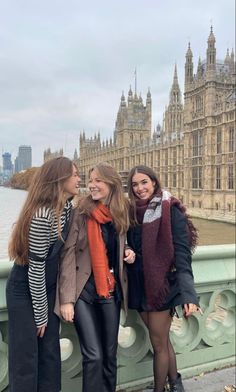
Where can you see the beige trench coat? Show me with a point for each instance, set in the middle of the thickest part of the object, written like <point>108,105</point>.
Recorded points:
<point>75,264</point>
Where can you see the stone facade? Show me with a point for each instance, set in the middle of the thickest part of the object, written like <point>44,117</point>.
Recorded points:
<point>48,154</point>
<point>193,151</point>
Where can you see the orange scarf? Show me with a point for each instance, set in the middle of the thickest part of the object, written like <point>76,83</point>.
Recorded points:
<point>104,279</point>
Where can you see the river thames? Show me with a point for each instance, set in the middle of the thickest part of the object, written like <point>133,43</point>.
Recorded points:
<point>11,201</point>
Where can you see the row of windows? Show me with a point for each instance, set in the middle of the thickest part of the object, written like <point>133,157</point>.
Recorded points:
<point>197,149</point>
<point>231,141</point>
<point>197,177</point>
<point>230,177</point>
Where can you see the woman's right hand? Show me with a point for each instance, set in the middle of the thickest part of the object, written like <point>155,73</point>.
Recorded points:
<point>67,312</point>
<point>41,331</point>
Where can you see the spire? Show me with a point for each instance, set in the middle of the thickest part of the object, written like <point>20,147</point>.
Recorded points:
<point>175,94</point>
<point>199,68</point>
<point>149,96</point>
<point>211,54</point>
<point>130,95</point>
<point>211,38</point>
<point>122,100</point>
<point>175,80</point>
<point>189,53</point>
<point>232,64</point>
<point>227,57</point>
<point>75,155</point>
<point>188,67</point>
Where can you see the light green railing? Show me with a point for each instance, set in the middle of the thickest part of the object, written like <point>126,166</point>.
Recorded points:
<point>202,343</point>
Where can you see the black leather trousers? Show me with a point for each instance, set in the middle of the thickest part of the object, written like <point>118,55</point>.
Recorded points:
<point>97,325</point>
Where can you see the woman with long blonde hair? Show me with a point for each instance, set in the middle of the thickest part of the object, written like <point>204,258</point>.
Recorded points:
<point>92,278</point>
<point>42,227</point>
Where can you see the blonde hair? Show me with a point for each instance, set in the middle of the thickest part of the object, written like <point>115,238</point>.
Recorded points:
<point>46,190</point>
<point>117,202</point>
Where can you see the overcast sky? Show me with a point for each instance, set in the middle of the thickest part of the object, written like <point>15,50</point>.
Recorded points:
<point>64,63</point>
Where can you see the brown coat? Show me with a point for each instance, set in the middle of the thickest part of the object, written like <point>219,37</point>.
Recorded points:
<point>75,265</point>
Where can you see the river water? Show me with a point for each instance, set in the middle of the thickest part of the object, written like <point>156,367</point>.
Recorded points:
<point>11,201</point>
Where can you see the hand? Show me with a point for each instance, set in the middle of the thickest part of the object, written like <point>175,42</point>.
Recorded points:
<point>67,311</point>
<point>129,256</point>
<point>41,331</point>
<point>189,309</point>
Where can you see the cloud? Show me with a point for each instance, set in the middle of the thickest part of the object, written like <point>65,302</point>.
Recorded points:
<point>64,64</point>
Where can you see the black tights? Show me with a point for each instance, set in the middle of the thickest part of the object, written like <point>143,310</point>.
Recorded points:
<point>164,361</point>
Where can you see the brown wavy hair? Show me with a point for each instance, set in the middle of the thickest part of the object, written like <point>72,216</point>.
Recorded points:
<point>117,203</point>
<point>46,190</point>
<point>193,232</point>
<point>153,177</point>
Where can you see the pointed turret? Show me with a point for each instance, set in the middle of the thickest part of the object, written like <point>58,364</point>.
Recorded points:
<point>149,97</point>
<point>227,58</point>
<point>232,63</point>
<point>122,100</point>
<point>211,55</point>
<point>75,155</point>
<point>175,94</point>
<point>199,68</point>
<point>232,55</point>
<point>188,67</point>
<point>140,99</point>
<point>130,96</point>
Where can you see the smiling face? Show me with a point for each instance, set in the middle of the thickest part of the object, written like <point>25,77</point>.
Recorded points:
<point>71,185</point>
<point>142,186</point>
<point>99,190</point>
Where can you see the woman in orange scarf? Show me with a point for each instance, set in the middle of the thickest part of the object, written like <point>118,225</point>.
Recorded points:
<point>92,278</point>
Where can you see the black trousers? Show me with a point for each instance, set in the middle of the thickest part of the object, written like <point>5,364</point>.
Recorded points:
<point>34,363</point>
<point>97,325</point>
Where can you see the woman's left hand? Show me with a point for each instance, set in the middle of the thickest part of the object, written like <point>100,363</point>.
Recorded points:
<point>129,256</point>
<point>189,309</point>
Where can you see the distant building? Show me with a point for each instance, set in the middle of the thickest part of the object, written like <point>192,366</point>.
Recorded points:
<point>193,151</point>
<point>7,169</point>
<point>75,155</point>
<point>24,159</point>
<point>48,154</point>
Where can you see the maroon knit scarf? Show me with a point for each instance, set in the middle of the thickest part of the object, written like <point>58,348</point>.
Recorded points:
<point>157,244</point>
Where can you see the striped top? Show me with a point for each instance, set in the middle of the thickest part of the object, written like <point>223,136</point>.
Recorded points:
<point>43,233</point>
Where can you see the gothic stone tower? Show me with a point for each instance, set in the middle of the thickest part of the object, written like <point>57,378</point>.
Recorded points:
<point>132,129</point>
<point>209,139</point>
<point>133,123</point>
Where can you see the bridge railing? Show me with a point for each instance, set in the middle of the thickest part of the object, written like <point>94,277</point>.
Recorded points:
<point>202,342</point>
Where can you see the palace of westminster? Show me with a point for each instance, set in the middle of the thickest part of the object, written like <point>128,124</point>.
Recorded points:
<point>193,152</point>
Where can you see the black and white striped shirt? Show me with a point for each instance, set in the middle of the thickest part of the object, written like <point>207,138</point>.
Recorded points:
<point>42,234</point>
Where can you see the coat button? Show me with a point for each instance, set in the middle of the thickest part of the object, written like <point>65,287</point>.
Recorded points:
<point>77,268</point>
